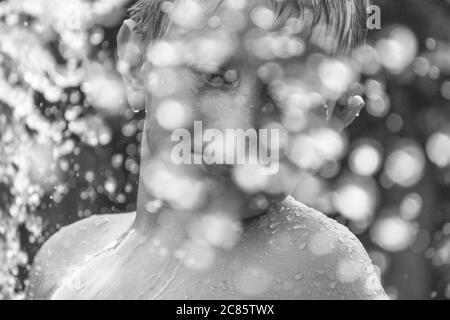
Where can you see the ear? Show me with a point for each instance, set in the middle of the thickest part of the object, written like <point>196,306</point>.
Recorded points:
<point>131,58</point>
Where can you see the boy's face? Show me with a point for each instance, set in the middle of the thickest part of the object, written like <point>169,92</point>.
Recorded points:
<point>228,65</point>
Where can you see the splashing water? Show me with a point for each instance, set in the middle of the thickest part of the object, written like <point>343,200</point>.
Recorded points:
<point>31,145</point>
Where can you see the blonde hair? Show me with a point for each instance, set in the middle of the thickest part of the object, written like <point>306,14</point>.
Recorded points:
<point>344,19</point>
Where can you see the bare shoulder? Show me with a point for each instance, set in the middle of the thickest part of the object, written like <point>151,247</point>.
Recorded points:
<point>70,246</point>
<point>323,260</point>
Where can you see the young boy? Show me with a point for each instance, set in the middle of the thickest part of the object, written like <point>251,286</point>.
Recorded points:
<point>207,227</point>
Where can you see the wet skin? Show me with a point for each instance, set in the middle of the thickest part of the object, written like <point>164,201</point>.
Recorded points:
<point>293,252</point>
<point>288,251</point>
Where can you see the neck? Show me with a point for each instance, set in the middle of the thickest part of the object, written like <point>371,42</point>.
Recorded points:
<point>150,210</point>
<point>145,219</point>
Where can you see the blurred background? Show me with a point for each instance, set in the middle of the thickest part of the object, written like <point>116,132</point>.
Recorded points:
<point>69,144</point>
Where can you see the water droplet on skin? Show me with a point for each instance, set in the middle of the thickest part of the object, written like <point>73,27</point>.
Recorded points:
<point>370,269</point>
<point>281,242</point>
<point>321,272</point>
<point>299,276</point>
<point>101,223</point>
<point>275,224</point>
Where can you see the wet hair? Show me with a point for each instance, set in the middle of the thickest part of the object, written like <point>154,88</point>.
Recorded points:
<point>345,20</point>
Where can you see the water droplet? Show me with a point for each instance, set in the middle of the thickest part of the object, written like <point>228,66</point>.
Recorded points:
<point>370,269</point>
<point>321,272</point>
<point>136,110</point>
<point>223,285</point>
<point>275,224</point>
<point>288,285</point>
<point>299,276</point>
<point>101,223</point>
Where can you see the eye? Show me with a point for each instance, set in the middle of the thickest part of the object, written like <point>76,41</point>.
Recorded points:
<point>222,78</point>
<point>214,79</point>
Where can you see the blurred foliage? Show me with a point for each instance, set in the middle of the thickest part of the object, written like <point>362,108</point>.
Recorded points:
<point>69,143</point>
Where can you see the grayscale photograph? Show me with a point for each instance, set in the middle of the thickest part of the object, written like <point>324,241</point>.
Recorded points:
<point>224,151</point>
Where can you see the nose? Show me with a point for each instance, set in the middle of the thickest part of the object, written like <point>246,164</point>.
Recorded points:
<point>255,105</point>
<point>267,110</point>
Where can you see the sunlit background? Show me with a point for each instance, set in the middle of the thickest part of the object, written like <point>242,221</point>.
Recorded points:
<point>69,144</point>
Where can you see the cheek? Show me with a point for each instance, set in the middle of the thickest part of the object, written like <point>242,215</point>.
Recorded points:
<point>229,109</point>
